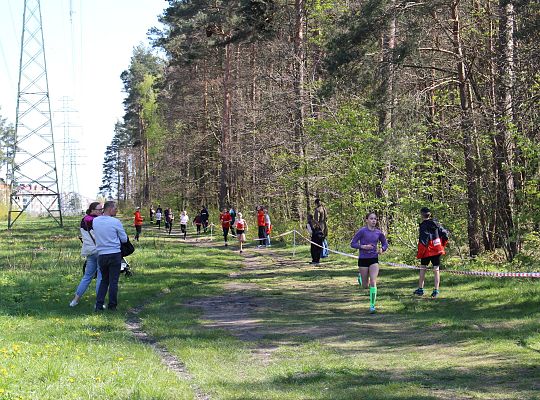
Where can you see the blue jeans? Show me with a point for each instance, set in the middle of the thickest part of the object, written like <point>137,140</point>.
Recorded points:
<point>89,272</point>
<point>110,270</point>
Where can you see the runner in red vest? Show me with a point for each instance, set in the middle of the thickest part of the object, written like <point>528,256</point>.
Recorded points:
<point>432,240</point>
<point>241,227</point>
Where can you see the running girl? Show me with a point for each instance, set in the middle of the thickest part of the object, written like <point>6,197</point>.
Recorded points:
<point>184,219</point>
<point>158,217</point>
<point>241,227</point>
<point>366,240</point>
<point>169,219</point>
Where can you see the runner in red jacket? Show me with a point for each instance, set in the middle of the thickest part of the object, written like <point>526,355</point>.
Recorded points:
<point>225,219</point>
<point>261,224</point>
<point>138,222</point>
<point>432,239</point>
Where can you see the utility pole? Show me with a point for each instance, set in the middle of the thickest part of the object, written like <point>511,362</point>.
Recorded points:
<point>33,174</point>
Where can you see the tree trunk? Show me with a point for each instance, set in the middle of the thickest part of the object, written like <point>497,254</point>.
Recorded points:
<point>467,129</point>
<point>225,129</point>
<point>504,143</point>
<point>299,114</point>
<point>386,117</point>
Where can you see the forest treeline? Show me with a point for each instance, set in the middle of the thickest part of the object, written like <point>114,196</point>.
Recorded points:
<point>380,105</point>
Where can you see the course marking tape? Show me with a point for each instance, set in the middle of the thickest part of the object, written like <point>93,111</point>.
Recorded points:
<point>473,273</point>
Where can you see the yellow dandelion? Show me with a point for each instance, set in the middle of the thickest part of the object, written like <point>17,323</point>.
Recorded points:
<point>71,380</point>
<point>120,358</point>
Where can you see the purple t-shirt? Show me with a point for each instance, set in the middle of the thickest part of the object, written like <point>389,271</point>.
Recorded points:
<point>366,236</point>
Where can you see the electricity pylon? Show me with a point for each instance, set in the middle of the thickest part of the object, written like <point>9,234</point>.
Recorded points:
<point>33,175</point>
<point>69,188</point>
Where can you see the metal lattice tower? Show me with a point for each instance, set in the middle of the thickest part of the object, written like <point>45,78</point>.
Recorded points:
<point>71,199</point>
<point>33,175</point>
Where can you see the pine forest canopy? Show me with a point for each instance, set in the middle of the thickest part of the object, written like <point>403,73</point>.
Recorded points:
<point>369,105</point>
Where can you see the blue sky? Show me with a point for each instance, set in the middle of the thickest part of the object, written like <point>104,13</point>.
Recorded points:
<point>86,52</point>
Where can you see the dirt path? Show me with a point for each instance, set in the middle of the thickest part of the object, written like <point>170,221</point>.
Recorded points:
<point>242,309</point>
<point>288,309</point>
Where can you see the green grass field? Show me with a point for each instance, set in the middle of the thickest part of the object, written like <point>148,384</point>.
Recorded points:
<point>266,325</point>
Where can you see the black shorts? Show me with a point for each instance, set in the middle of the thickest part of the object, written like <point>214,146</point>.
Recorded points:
<point>366,262</point>
<point>239,231</point>
<point>435,260</point>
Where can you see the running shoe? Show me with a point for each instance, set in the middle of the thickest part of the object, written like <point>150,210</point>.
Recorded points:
<point>372,310</point>
<point>434,294</point>
<point>419,291</point>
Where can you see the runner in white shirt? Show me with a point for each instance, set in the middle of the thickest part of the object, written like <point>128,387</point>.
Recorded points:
<point>184,219</point>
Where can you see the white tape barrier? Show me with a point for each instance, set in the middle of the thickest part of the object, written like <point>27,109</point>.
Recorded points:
<point>474,273</point>
<point>274,237</point>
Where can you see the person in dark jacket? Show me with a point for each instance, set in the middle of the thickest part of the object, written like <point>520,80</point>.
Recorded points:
<point>205,215</point>
<point>432,239</point>
<point>167,219</point>
<point>232,211</point>
<point>197,221</point>
<point>317,237</point>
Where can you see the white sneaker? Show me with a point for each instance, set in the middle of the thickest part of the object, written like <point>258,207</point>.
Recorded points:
<point>73,303</point>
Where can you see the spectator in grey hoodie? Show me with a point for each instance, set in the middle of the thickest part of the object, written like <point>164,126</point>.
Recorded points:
<point>109,233</point>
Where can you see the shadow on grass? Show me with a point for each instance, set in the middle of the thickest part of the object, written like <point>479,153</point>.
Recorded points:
<point>375,383</point>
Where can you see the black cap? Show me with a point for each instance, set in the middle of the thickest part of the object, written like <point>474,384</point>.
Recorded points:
<point>425,210</point>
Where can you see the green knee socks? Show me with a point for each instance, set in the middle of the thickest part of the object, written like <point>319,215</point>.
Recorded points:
<point>372,295</point>
<point>360,279</point>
